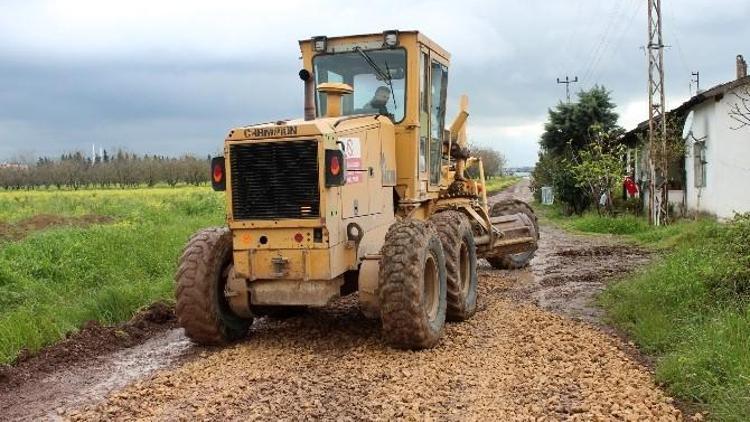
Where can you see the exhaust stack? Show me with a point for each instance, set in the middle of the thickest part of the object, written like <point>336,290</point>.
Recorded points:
<point>307,77</point>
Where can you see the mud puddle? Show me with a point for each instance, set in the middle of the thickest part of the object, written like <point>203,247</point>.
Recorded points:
<point>569,271</point>
<point>90,364</point>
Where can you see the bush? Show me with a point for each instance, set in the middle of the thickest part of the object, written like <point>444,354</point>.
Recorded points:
<point>691,310</point>
<point>734,277</point>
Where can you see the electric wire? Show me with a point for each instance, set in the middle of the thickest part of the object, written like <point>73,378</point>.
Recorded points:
<point>635,7</point>
<point>608,24</point>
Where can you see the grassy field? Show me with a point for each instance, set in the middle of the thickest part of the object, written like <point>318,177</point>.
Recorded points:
<point>54,280</point>
<point>498,183</point>
<point>690,308</point>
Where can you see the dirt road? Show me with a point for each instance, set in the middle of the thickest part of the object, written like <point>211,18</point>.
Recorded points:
<point>533,350</point>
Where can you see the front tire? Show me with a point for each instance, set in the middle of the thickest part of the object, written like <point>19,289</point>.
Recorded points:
<point>457,239</point>
<point>202,308</point>
<point>412,288</point>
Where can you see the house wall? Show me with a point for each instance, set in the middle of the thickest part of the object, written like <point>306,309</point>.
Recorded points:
<point>727,156</point>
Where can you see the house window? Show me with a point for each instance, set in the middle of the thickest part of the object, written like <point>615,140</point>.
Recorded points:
<point>699,164</point>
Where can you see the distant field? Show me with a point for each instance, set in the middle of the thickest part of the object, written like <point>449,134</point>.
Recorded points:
<point>70,257</point>
<point>498,183</point>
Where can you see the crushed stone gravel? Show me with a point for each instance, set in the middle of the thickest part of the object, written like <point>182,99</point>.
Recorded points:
<point>512,361</point>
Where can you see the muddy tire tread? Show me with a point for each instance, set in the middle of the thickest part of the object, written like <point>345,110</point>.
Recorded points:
<point>196,308</point>
<point>405,324</point>
<point>452,226</point>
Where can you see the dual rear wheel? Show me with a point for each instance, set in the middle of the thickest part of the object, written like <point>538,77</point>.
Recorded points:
<point>427,276</point>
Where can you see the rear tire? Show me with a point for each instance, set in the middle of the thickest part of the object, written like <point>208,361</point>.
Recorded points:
<point>412,288</point>
<point>201,308</point>
<point>460,251</point>
<point>518,260</point>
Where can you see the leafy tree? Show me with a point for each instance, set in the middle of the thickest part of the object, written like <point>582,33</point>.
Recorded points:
<point>570,129</point>
<point>598,168</point>
<point>569,125</point>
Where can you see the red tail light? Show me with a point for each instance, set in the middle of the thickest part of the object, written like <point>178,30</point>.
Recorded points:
<point>218,174</point>
<point>335,168</point>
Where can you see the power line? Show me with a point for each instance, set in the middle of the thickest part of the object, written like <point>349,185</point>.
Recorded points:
<point>628,21</point>
<point>603,40</point>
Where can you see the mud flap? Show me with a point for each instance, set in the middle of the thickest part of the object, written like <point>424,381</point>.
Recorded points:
<point>368,286</point>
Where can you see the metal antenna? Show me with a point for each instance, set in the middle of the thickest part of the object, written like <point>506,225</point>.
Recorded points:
<point>657,122</point>
<point>567,83</point>
<point>697,81</point>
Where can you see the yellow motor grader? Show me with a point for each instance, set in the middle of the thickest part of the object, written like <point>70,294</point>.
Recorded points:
<point>367,193</point>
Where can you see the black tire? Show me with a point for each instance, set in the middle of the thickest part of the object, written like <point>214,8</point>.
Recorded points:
<point>201,308</point>
<point>518,260</point>
<point>412,289</point>
<point>460,251</point>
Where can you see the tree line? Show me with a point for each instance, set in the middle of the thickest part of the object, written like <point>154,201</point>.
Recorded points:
<point>125,170</point>
<point>121,169</point>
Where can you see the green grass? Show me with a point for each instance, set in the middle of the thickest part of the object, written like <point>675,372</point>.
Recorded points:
<point>690,308</point>
<point>629,227</point>
<point>499,183</point>
<point>53,281</point>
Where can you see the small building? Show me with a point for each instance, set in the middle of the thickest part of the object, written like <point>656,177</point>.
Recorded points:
<point>14,166</point>
<point>713,175</point>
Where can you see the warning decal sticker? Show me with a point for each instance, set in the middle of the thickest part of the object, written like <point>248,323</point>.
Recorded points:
<point>353,156</point>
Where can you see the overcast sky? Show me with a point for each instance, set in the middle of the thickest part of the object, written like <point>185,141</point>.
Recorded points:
<point>170,77</point>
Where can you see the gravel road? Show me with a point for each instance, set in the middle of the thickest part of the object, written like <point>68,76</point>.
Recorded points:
<point>534,351</point>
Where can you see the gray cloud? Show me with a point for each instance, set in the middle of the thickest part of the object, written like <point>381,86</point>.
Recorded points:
<point>170,77</point>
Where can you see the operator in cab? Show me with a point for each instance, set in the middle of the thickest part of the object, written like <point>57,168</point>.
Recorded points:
<point>378,102</point>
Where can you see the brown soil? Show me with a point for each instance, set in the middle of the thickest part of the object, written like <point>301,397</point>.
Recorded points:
<point>514,360</point>
<point>22,228</point>
<point>78,350</point>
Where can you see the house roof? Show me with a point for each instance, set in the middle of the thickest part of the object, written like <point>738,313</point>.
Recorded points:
<point>717,93</point>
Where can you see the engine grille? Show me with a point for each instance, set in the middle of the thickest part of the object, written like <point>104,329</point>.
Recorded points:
<point>275,180</point>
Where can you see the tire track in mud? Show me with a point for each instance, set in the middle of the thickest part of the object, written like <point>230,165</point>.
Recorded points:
<point>525,354</point>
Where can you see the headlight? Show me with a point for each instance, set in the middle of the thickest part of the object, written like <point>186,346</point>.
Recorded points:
<point>320,43</point>
<point>390,38</point>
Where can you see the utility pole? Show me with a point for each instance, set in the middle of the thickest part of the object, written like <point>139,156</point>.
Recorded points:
<point>567,83</point>
<point>658,195</point>
<point>697,81</point>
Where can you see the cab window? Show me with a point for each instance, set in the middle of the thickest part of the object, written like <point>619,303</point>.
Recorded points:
<point>378,78</point>
<point>438,90</point>
<point>424,110</point>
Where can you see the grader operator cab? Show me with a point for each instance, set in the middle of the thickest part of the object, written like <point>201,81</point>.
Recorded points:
<point>367,193</point>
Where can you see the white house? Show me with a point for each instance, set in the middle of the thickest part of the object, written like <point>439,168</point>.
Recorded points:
<point>717,162</point>
<point>714,177</point>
